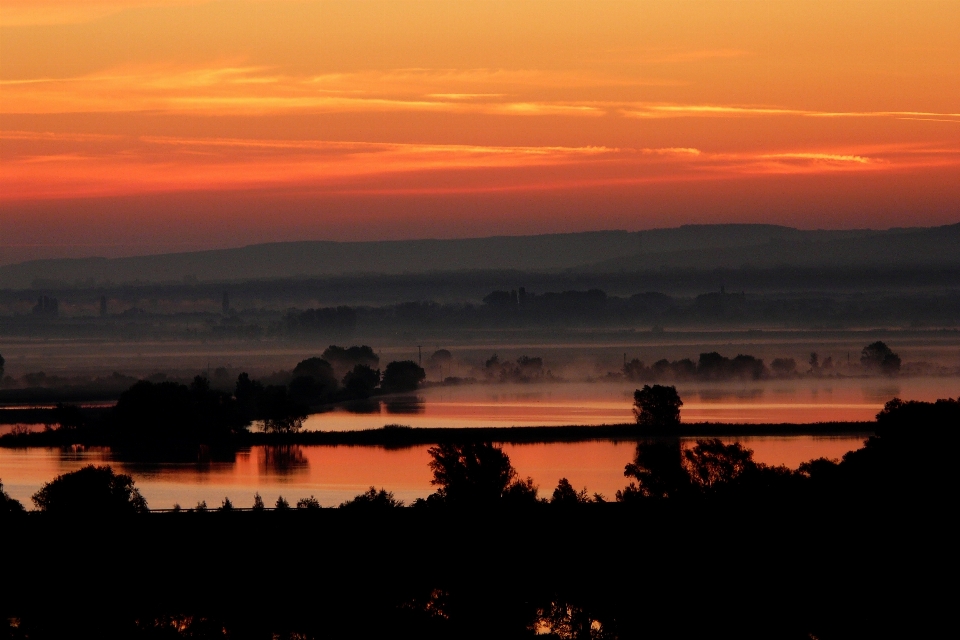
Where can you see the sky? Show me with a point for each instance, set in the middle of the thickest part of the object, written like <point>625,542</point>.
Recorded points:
<point>141,126</point>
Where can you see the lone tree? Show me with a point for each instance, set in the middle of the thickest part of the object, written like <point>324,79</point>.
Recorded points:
<point>405,375</point>
<point>657,406</point>
<point>91,491</point>
<point>476,474</point>
<point>879,357</point>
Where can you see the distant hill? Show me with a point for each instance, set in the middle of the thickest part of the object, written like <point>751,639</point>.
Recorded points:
<point>749,247</point>
<point>691,246</point>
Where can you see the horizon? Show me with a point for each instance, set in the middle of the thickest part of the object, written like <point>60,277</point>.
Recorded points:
<point>173,252</point>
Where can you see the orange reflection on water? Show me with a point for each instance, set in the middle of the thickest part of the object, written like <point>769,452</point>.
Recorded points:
<point>335,474</point>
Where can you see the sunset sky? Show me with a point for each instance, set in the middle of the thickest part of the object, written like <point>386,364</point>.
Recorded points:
<point>136,126</point>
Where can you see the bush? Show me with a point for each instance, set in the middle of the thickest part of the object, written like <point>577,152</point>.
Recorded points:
<point>90,491</point>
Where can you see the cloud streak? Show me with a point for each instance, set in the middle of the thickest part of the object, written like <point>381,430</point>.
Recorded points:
<point>101,166</point>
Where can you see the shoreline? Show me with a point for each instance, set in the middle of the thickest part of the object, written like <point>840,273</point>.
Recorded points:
<point>401,437</point>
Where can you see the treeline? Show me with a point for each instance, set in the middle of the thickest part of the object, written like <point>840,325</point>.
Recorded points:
<point>442,314</point>
<point>875,358</point>
<point>166,418</point>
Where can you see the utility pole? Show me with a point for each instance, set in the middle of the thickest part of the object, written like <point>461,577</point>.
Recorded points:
<point>419,356</point>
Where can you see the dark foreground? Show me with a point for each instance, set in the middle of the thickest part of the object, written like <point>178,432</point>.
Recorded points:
<point>763,568</point>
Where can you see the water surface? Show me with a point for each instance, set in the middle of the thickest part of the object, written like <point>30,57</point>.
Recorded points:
<point>333,474</point>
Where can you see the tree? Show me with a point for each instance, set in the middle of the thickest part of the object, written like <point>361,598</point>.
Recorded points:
<point>565,494</point>
<point>308,503</point>
<point>657,407</point>
<point>373,499</point>
<point>171,413</point>
<point>470,473</point>
<point>361,381</point>
<point>405,375</point>
<point>712,464</point>
<point>784,367</point>
<point>313,381</point>
<point>91,490</point>
<point>280,412</point>
<point>658,470</point>
<point>257,502</point>
<point>713,366</point>
<point>744,366</point>
<point>878,356</point>
<point>344,360</point>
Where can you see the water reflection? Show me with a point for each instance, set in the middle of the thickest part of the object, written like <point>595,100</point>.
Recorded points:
<point>282,460</point>
<point>723,395</point>
<point>881,393</point>
<point>362,406</point>
<point>405,405</point>
<point>336,474</point>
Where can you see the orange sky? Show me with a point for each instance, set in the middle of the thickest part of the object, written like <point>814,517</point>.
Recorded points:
<point>131,126</point>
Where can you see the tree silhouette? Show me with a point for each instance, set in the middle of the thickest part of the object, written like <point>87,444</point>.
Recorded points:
<point>784,367</point>
<point>711,463</point>
<point>401,376</point>
<point>565,494</point>
<point>91,490</point>
<point>658,470</point>
<point>373,499</point>
<point>470,473</point>
<point>313,380</point>
<point>360,382</point>
<point>877,356</point>
<point>657,407</point>
<point>345,359</point>
<point>308,503</point>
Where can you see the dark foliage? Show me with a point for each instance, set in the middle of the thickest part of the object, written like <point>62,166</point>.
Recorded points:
<point>402,376</point>
<point>360,382</point>
<point>90,491</point>
<point>345,359</point>
<point>657,407</point>
<point>475,475</point>
<point>878,356</point>
<point>373,499</point>
<point>566,495</point>
<point>174,414</point>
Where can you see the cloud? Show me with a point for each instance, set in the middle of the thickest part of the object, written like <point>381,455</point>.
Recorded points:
<point>98,166</point>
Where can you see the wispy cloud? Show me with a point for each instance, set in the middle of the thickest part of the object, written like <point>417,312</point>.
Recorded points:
<point>98,166</point>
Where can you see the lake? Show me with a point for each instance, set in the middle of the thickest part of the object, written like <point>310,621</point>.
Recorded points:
<point>769,401</point>
<point>336,473</point>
